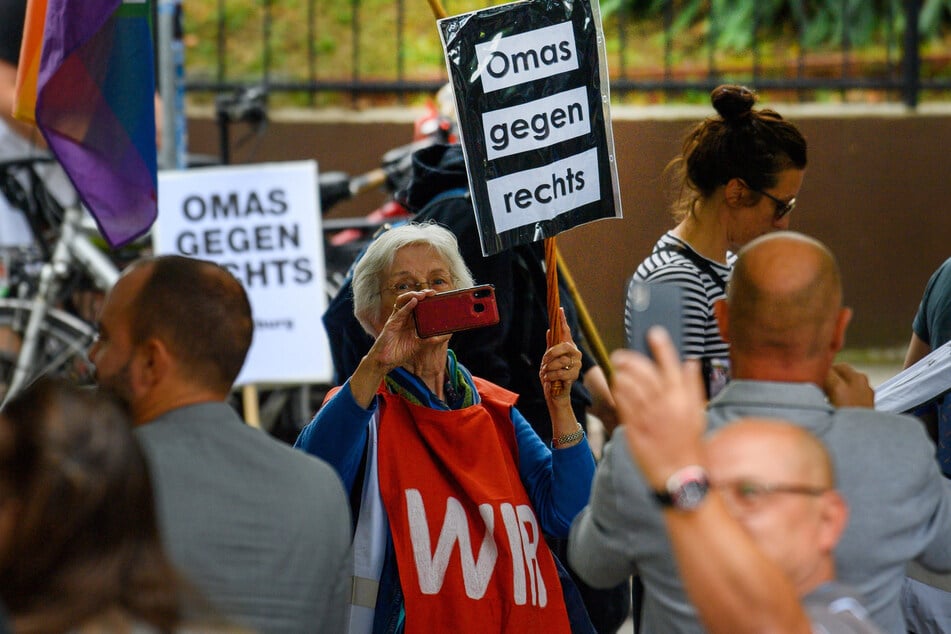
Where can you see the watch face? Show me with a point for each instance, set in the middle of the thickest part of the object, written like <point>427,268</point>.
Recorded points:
<point>685,488</point>
<point>690,494</point>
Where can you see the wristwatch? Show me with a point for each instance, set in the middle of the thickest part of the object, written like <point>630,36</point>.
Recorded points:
<point>685,489</point>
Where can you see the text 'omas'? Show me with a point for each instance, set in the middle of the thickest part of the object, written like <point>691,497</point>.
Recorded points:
<point>510,61</point>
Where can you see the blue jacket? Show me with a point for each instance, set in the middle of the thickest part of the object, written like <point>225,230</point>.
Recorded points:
<point>557,482</point>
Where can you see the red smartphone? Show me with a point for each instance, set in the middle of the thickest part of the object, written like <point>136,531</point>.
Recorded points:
<point>452,311</point>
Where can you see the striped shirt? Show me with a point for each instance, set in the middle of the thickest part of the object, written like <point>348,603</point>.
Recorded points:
<point>701,335</point>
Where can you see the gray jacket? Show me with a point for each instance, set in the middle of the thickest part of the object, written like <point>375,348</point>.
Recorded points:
<point>262,530</point>
<point>900,505</point>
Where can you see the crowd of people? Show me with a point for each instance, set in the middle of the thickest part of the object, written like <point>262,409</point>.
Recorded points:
<point>447,484</point>
<point>784,320</point>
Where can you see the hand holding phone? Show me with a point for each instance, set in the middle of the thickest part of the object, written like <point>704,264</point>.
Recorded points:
<point>452,311</point>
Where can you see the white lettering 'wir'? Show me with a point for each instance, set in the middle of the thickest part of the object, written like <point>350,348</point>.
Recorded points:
<point>526,518</point>
<point>431,567</point>
<point>515,543</point>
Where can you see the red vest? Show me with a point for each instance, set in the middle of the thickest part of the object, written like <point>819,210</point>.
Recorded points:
<point>469,547</point>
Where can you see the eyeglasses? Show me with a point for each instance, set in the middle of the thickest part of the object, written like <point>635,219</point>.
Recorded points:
<point>438,283</point>
<point>783,208</point>
<point>749,494</point>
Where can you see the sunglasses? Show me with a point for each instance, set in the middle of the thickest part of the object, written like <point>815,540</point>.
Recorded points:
<point>782,207</point>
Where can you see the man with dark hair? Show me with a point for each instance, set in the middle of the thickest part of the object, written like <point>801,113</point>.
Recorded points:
<point>785,323</point>
<point>214,356</point>
<point>930,330</point>
<point>262,530</point>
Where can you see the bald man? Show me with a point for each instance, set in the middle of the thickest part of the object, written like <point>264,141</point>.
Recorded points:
<point>778,482</point>
<point>754,544</point>
<point>785,323</point>
<point>262,530</point>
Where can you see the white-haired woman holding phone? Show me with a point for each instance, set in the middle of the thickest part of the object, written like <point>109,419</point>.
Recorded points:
<point>434,457</point>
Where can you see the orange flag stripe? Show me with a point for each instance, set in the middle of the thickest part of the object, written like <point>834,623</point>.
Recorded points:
<point>28,70</point>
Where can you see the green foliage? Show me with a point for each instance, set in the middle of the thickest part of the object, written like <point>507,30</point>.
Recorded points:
<point>735,31</point>
<point>314,39</point>
<point>819,23</point>
<point>935,14</point>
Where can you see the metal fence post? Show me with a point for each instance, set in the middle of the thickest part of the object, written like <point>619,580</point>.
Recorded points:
<point>355,53</point>
<point>221,50</point>
<point>171,65</point>
<point>911,67</point>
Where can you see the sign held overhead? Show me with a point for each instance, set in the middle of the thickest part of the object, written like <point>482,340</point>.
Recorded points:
<point>531,91</point>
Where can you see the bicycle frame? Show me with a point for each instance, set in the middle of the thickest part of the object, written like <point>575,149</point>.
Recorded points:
<point>72,248</point>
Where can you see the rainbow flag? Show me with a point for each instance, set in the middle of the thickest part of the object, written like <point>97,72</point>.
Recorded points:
<point>95,107</point>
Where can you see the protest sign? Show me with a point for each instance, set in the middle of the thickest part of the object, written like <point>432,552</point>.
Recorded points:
<point>262,223</point>
<point>531,92</point>
<point>924,381</point>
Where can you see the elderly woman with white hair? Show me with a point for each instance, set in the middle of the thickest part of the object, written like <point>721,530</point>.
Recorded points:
<point>435,458</point>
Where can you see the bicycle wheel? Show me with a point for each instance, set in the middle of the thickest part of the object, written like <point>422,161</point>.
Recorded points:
<point>61,350</point>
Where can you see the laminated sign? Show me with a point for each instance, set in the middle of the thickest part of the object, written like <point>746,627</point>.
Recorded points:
<point>531,91</point>
<point>262,223</point>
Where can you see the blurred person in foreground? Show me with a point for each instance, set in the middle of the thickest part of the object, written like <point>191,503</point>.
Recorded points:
<point>262,530</point>
<point>785,323</point>
<point>434,456</point>
<point>752,511</point>
<point>79,543</point>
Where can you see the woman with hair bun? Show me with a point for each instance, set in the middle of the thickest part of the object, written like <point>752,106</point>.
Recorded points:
<point>739,174</point>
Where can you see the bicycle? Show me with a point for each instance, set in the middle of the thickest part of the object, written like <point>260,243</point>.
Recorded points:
<point>44,332</point>
<point>47,339</point>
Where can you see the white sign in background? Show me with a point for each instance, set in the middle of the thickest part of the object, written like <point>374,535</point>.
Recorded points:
<point>261,222</point>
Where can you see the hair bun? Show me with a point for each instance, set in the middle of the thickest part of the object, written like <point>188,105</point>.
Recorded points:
<point>732,102</point>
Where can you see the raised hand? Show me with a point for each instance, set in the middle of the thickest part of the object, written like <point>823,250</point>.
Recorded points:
<point>396,345</point>
<point>662,406</point>
<point>398,342</point>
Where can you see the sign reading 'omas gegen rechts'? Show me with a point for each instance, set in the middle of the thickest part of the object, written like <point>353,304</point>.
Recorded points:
<point>531,93</point>
<point>262,223</point>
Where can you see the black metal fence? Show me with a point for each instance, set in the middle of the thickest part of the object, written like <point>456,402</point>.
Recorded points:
<point>353,52</point>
